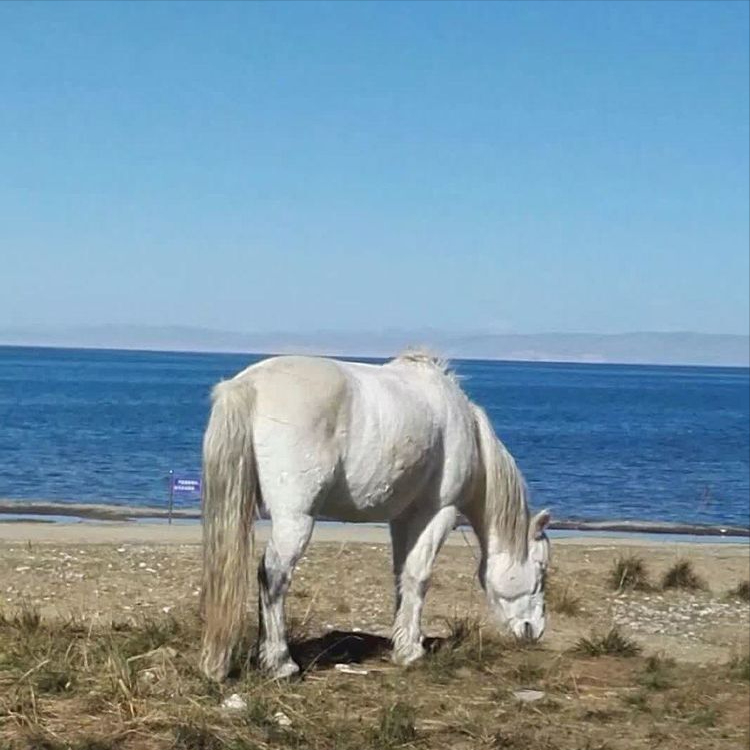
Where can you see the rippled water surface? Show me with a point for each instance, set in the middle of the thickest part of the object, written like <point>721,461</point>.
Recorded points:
<point>594,441</point>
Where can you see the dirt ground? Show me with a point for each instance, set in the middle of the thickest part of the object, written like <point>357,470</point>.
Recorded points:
<point>694,641</point>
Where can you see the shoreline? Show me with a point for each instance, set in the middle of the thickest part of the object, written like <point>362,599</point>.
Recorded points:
<point>45,514</point>
<point>188,534</point>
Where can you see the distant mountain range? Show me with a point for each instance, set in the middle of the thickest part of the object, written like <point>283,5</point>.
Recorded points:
<point>628,348</point>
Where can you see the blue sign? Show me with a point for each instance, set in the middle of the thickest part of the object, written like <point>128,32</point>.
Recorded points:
<point>182,485</point>
<point>186,485</point>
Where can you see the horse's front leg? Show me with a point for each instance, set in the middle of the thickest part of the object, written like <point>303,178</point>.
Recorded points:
<point>289,538</point>
<point>416,542</point>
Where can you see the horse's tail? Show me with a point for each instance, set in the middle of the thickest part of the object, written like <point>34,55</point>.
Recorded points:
<point>229,499</point>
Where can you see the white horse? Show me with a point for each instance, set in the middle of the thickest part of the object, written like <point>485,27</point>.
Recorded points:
<point>398,442</point>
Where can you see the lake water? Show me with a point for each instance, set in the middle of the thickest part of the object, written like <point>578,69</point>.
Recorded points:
<point>594,441</point>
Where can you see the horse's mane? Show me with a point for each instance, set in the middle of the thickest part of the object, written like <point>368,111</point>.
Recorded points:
<point>506,509</point>
<point>425,357</point>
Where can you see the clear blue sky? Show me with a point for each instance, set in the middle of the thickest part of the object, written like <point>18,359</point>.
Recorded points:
<point>481,166</point>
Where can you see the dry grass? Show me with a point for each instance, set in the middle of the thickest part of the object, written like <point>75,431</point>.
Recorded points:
<point>468,646</point>
<point>658,673</point>
<point>629,573</point>
<point>129,681</point>
<point>562,600</point>
<point>739,667</point>
<point>134,685</point>
<point>682,576</point>
<point>396,727</point>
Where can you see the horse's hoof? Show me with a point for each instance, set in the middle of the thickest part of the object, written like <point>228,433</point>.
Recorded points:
<point>285,671</point>
<point>409,656</point>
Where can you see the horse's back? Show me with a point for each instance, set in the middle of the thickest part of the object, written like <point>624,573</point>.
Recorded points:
<point>375,436</point>
<point>414,437</point>
<point>350,404</point>
<point>306,392</point>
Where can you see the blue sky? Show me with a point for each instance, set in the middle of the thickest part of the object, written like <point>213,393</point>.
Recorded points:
<point>481,166</point>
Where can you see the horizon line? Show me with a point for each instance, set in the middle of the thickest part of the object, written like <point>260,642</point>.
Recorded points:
<point>79,327</point>
<point>180,350</point>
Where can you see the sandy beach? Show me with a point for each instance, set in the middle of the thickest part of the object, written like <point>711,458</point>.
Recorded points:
<point>132,580</point>
<point>98,568</point>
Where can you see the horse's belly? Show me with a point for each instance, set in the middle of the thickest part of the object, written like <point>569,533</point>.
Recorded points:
<point>338,507</point>
<point>377,505</point>
<point>382,488</point>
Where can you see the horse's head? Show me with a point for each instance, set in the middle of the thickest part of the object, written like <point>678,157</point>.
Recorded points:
<point>515,589</point>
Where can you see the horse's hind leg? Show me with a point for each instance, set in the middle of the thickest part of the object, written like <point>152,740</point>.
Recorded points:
<point>289,537</point>
<point>416,542</point>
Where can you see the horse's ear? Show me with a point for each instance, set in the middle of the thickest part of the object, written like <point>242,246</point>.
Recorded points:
<point>539,523</point>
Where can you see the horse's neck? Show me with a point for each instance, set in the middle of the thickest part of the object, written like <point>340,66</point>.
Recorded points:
<point>491,541</point>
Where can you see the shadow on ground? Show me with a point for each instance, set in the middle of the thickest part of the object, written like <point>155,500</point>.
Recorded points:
<point>346,647</point>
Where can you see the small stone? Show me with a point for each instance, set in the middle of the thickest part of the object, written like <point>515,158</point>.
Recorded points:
<point>282,719</point>
<point>528,696</point>
<point>147,676</point>
<point>350,669</point>
<point>234,702</point>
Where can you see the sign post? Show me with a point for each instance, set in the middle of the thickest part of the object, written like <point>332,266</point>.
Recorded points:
<point>182,485</point>
<point>171,494</point>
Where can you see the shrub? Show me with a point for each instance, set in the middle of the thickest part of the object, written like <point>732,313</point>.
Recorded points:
<point>613,643</point>
<point>629,572</point>
<point>741,591</point>
<point>682,576</point>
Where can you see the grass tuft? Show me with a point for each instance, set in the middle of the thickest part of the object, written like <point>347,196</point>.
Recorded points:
<point>463,631</point>
<point>739,667</point>
<point>467,646</point>
<point>53,680</point>
<point>682,576</point>
<point>657,673</point>
<point>396,726</point>
<point>563,601</point>
<point>191,736</point>
<point>527,672</point>
<point>26,620</point>
<point>629,573</point>
<point>741,591</point>
<point>639,700</point>
<point>612,643</point>
<point>704,717</point>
